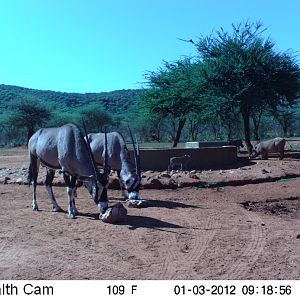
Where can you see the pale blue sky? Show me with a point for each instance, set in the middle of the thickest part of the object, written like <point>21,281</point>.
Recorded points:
<point>104,45</point>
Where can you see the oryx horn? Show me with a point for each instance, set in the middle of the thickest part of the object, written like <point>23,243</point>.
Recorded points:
<point>90,151</point>
<point>136,159</point>
<point>138,167</point>
<point>105,163</point>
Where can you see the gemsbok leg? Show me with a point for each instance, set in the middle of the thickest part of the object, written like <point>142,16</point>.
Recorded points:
<point>48,184</point>
<point>123,189</point>
<point>32,177</point>
<point>71,189</point>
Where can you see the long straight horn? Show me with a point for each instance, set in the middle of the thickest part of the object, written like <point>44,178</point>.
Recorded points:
<point>134,151</point>
<point>90,151</point>
<point>105,164</point>
<point>138,166</point>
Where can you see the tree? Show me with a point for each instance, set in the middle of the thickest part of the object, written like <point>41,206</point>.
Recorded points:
<point>285,117</point>
<point>142,121</point>
<point>171,93</point>
<point>94,116</point>
<point>29,113</point>
<point>245,68</point>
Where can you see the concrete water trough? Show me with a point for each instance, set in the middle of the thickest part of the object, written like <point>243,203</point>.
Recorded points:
<point>201,158</point>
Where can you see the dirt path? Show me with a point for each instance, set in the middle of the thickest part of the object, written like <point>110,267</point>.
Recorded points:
<point>189,233</point>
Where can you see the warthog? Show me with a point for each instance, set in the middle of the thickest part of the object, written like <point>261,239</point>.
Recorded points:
<point>272,146</point>
<point>181,161</point>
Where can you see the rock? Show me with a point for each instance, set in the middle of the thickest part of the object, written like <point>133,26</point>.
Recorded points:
<point>176,175</point>
<point>114,214</point>
<point>19,180</point>
<point>173,184</point>
<point>148,173</point>
<point>165,175</point>
<point>155,183</point>
<point>194,176</point>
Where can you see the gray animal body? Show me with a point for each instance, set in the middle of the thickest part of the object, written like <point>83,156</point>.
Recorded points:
<point>275,145</point>
<point>118,160</point>
<point>179,161</point>
<point>65,148</point>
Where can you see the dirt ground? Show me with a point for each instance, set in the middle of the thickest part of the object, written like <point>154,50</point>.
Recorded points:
<point>221,232</point>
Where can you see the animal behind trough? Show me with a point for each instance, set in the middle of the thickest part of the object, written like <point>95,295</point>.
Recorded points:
<point>237,143</point>
<point>179,161</point>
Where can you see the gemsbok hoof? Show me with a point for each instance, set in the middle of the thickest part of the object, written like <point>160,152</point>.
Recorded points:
<point>57,209</point>
<point>35,208</point>
<point>71,216</point>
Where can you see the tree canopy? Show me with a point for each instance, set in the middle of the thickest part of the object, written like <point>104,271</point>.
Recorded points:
<point>245,70</point>
<point>172,92</point>
<point>29,114</point>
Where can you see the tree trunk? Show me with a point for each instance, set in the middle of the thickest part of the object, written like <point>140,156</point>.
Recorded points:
<point>256,119</point>
<point>285,127</point>
<point>193,130</point>
<point>229,132</point>
<point>181,124</point>
<point>255,129</point>
<point>30,132</point>
<point>246,120</point>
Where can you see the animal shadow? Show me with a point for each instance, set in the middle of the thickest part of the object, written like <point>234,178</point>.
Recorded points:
<point>147,222</point>
<point>168,204</point>
<point>135,222</point>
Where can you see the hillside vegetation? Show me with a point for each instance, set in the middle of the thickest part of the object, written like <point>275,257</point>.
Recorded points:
<point>114,102</point>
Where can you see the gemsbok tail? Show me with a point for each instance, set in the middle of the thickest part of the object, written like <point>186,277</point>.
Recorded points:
<point>32,171</point>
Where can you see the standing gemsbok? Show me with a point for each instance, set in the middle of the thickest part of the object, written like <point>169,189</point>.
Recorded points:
<point>65,148</point>
<point>118,159</point>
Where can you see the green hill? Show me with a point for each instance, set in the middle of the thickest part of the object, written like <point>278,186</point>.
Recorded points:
<point>114,102</point>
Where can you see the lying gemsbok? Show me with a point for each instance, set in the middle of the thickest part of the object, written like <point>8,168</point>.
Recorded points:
<point>272,146</point>
<point>65,148</point>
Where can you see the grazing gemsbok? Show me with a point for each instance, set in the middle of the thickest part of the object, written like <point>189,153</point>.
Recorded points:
<point>65,148</point>
<point>119,160</point>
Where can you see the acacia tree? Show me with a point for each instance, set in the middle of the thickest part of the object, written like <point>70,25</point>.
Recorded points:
<point>171,93</point>
<point>30,114</point>
<point>94,116</point>
<point>285,117</point>
<point>244,67</point>
<point>144,121</point>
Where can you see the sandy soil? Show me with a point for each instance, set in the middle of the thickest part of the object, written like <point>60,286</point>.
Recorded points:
<point>229,232</point>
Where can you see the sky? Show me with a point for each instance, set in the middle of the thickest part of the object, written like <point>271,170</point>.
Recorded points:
<point>105,45</point>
